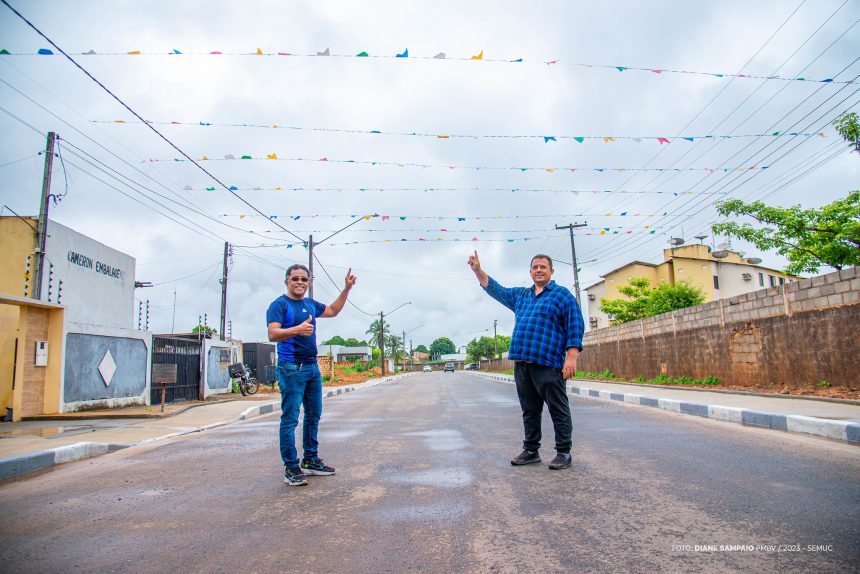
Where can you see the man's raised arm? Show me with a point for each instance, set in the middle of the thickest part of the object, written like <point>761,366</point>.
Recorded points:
<point>335,307</point>
<point>475,264</point>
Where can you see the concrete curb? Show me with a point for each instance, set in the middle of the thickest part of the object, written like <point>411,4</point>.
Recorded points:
<point>16,465</point>
<point>843,431</point>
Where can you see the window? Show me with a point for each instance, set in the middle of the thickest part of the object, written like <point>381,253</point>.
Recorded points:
<point>761,279</point>
<point>781,280</point>
<point>716,282</point>
<point>772,280</point>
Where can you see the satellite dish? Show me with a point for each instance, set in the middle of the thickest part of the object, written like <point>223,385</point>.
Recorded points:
<point>701,238</point>
<point>721,254</point>
<point>675,241</point>
<point>724,246</point>
<point>754,260</point>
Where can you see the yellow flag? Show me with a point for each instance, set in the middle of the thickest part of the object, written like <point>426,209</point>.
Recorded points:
<point>272,156</point>
<point>479,56</point>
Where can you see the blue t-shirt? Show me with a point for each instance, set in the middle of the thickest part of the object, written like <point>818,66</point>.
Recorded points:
<point>289,313</point>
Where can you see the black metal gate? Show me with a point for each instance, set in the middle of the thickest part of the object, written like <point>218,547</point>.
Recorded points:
<point>185,354</point>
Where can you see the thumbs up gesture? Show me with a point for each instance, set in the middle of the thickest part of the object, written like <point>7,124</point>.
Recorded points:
<point>306,328</point>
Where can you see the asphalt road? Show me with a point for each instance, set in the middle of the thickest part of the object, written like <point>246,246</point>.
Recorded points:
<point>424,484</point>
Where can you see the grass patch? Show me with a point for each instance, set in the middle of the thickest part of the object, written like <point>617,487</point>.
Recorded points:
<point>586,375</point>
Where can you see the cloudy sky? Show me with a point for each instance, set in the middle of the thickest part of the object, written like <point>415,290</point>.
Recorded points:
<point>633,71</point>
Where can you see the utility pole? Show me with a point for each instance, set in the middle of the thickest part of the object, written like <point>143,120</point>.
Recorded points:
<point>495,334</point>
<point>42,228</point>
<point>382,342</point>
<point>403,342</point>
<point>227,252</point>
<point>570,227</point>
<point>311,266</point>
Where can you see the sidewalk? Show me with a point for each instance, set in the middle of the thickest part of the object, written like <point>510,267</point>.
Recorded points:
<point>828,418</point>
<point>33,445</point>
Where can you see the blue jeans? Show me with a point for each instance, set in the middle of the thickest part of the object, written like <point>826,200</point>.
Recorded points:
<point>300,386</point>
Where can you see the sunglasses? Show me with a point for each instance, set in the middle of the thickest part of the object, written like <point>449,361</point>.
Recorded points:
<point>299,279</point>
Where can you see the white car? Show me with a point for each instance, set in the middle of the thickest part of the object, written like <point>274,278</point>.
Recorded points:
<point>427,368</point>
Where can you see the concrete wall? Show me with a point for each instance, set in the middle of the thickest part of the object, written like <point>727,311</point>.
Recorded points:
<point>98,282</point>
<point>218,355</point>
<point>83,386</point>
<point>793,335</point>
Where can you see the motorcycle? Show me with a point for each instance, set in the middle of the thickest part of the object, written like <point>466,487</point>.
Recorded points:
<point>242,377</point>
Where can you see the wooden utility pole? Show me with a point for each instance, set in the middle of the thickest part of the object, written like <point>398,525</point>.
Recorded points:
<point>570,227</point>
<point>382,342</point>
<point>42,228</point>
<point>224,290</point>
<point>311,266</point>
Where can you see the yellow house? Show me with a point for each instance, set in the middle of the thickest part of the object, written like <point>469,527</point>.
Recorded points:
<point>26,385</point>
<point>719,274</point>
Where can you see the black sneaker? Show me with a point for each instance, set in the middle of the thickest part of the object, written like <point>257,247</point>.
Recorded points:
<point>526,457</point>
<point>561,460</point>
<point>316,467</point>
<point>294,476</point>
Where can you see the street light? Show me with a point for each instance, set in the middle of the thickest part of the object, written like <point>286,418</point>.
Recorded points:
<point>382,335</point>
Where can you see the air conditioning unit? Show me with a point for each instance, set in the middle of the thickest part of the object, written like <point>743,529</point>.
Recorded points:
<point>591,297</point>
<point>593,322</point>
<point>747,276</point>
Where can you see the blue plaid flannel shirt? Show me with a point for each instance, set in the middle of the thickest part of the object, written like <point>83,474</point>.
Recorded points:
<point>546,326</point>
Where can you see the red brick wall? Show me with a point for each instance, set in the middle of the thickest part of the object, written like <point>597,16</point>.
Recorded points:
<point>794,335</point>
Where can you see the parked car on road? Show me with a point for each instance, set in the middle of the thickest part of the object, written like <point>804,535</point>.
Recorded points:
<point>449,367</point>
<point>471,367</point>
<point>427,368</point>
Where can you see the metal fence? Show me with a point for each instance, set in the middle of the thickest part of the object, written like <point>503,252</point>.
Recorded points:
<point>185,354</point>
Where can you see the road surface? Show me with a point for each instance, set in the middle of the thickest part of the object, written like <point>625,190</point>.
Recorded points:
<point>424,484</point>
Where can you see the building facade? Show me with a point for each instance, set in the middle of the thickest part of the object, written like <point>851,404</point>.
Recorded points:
<point>721,277</point>
<point>91,354</point>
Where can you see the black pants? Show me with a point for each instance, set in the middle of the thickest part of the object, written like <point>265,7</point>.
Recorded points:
<point>536,385</point>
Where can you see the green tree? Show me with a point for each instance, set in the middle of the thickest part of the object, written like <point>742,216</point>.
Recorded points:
<point>848,126</point>
<point>442,346</point>
<point>205,329</point>
<point>808,238</point>
<point>487,347</point>
<point>336,340</point>
<point>373,331</point>
<point>353,342</point>
<point>421,349</point>
<point>643,301</point>
<point>393,347</point>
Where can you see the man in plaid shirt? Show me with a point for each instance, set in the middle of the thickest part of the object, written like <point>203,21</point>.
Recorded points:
<point>546,342</point>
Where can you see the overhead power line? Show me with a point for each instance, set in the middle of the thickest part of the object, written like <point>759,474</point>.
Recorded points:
<point>138,116</point>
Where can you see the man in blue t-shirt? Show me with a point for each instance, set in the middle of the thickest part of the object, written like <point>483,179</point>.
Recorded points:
<point>291,320</point>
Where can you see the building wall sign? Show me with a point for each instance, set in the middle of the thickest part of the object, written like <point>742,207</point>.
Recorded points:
<point>87,263</point>
<point>93,281</point>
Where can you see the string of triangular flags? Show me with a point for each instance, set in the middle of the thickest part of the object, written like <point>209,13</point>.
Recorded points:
<point>461,189</point>
<point>274,157</point>
<point>602,232</point>
<point>443,136</point>
<point>450,217</point>
<point>446,230</point>
<point>439,56</point>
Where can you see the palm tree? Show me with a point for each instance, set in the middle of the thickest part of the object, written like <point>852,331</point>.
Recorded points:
<point>373,331</point>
